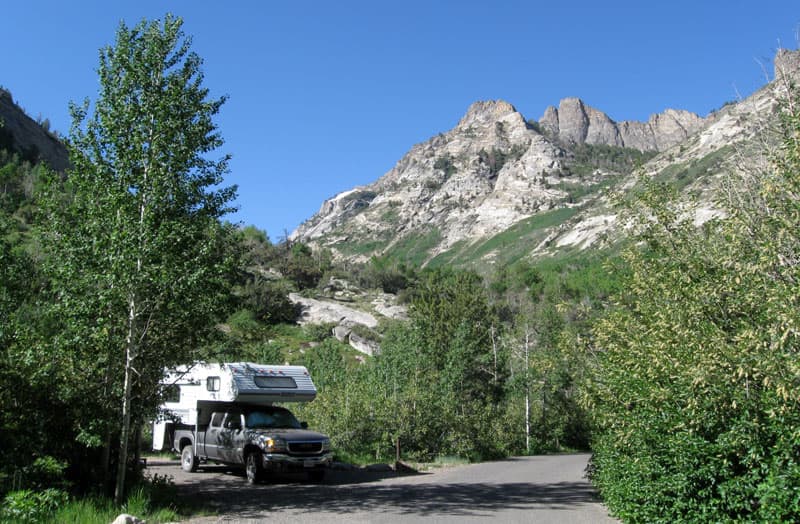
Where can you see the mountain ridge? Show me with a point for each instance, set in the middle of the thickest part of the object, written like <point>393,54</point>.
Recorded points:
<point>28,137</point>
<point>576,122</point>
<point>495,172</point>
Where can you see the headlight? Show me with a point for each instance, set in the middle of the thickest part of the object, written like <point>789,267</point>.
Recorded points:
<point>271,444</point>
<point>326,444</point>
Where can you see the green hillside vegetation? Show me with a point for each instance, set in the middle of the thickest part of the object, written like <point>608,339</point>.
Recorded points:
<point>506,247</point>
<point>414,249</point>
<point>590,170</point>
<point>682,174</point>
<point>585,159</point>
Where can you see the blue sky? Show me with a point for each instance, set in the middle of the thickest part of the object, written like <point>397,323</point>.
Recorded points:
<point>328,95</point>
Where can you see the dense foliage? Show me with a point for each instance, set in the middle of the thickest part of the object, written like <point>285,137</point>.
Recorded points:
<point>128,269</point>
<point>478,371</point>
<point>585,158</point>
<point>697,386</point>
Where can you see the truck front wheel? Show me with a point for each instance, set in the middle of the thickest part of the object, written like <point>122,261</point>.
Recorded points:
<point>252,467</point>
<point>188,460</point>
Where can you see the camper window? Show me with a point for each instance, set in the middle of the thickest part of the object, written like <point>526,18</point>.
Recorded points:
<point>212,383</point>
<point>275,382</point>
<point>172,393</point>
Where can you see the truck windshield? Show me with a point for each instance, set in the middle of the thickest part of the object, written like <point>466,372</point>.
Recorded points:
<point>271,418</point>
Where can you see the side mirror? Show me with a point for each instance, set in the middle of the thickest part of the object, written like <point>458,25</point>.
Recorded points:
<point>304,425</point>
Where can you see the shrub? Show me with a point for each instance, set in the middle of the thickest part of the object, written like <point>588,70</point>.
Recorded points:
<point>32,506</point>
<point>697,386</point>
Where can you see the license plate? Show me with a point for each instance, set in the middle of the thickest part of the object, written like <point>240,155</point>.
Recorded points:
<point>309,464</point>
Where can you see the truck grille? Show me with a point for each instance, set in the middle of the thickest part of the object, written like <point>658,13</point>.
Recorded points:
<point>305,448</point>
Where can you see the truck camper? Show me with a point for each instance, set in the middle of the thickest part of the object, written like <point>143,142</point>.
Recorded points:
<point>225,413</point>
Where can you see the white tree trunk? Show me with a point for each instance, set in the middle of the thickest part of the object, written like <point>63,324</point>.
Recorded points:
<point>527,395</point>
<point>130,355</point>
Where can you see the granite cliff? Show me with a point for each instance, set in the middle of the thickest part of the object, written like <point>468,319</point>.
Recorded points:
<point>573,122</point>
<point>497,187</point>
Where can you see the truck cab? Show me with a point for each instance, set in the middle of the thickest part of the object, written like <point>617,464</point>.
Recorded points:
<point>260,438</point>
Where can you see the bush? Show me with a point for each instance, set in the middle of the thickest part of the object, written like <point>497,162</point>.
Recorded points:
<point>32,506</point>
<point>319,332</point>
<point>269,300</point>
<point>697,387</point>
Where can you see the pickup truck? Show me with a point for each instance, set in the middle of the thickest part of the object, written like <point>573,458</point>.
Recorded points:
<point>260,438</point>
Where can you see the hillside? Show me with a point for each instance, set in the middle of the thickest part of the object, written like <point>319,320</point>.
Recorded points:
<point>29,138</point>
<point>497,188</point>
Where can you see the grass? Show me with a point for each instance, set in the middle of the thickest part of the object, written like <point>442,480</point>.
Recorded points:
<point>153,502</point>
<point>450,256</point>
<point>684,173</point>
<point>356,458</point>
<point>415,249</point>
<point>367,458</point>
<point>577,190</point>
<point>362,248</point>
<point>450,460</point>
<point>509,246</point>
<point>103,511</point>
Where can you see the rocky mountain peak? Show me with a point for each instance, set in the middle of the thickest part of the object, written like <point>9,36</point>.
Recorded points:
<point>575,122</point>
<point>482,176</point>
<point>490,123</point>
<point>487,111</point>
<point>786,62</point>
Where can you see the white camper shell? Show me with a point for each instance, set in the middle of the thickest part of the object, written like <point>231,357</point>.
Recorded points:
<point>200,385</point>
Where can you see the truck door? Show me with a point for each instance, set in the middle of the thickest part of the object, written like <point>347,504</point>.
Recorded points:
<point>212,436</point>
<point>231,438</point>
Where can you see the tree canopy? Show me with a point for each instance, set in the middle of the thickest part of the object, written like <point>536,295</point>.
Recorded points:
<point>138,260</point>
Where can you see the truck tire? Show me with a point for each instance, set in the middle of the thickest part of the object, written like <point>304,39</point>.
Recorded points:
<point>252,467</point>
<point>188,461</point>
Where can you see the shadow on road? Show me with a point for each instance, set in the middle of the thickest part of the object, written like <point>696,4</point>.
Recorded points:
<point>224,475</point>
<point>425,499</point>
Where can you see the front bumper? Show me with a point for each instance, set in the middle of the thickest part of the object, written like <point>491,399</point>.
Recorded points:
<point>281,461</point>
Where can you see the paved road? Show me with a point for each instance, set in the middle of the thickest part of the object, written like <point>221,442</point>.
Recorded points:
<point>543,489</point>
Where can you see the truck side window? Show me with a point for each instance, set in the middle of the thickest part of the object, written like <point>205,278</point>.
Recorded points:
<point>216,419</point>
<point>234,421</point>
<point>212,383</point>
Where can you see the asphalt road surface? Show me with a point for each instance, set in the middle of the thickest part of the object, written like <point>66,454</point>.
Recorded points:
<point>541,489</point>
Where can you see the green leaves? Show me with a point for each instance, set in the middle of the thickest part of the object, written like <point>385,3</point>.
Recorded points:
<point>140,266</point>
<point>696,386</point>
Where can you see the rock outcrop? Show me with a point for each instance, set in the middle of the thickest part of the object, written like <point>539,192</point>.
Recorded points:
<point>574,122</point>
<point>786,62</point>
<point>29,138</point>
<point>478,178</point>
<point>315,311</point>
<point>494,181</point>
